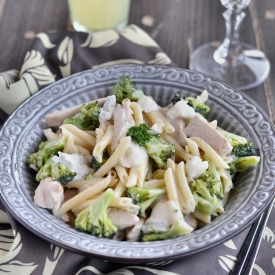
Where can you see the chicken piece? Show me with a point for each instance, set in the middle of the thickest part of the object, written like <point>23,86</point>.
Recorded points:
<point>179,125</point>
<point>49,194</point>
<point>122,219</point>
<point>123,120</point>
<point>134,234</point>
<point>198,127</point>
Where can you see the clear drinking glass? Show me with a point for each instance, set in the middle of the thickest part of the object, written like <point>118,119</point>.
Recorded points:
<point>237,64</point>
<point>97,15</point>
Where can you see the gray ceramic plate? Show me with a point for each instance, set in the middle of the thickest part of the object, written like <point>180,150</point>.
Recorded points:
<point>234,111</point>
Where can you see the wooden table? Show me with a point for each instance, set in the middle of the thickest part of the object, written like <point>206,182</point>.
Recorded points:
<point>178,26</point>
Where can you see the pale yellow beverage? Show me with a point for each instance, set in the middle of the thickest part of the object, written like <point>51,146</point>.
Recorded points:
<point>96,15</point>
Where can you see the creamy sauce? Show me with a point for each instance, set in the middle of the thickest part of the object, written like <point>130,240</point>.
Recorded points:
<point>147,104</point>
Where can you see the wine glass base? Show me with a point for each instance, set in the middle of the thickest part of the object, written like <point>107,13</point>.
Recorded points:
<point>249,74</point>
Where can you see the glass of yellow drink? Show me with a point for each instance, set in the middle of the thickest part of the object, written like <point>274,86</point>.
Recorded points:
<point>96,15</point>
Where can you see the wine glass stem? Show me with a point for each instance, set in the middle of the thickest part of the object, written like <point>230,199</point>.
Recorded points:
<point>230,53</point>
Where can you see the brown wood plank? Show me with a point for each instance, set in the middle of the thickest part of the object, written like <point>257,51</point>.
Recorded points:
<point>265,12</point>
<point>179,26</point>
<point>20,17</point>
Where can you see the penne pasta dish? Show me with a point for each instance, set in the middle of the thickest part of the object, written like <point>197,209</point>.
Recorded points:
<point>125,168</point>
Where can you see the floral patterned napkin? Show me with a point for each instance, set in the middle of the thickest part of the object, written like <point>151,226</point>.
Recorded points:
<point>55,55</point>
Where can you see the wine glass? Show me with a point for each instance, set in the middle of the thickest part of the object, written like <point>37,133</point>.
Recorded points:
<point>237,64</point>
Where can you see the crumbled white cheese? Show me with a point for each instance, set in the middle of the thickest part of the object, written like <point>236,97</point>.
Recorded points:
<point>162,217</point>
<point>107,110</point>
<point>75,163</point>
<point>181,110</point>
<point>135,156</point>
<point>195,167</point>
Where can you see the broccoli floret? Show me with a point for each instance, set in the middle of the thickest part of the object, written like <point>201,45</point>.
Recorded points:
<point>241,147</point>
<point>87,117</point>
<point>178,228</point>
<point>212,177</point>
<point>47,149</point>
<point>96,165</point>
<point>157,148</point>
<point>143,197</point>
<point>243,163</point>
<point>55,170</point>
<point>94,219</point>
<point>197,105</point>
<point>177,97</point>
<point>203,190</point>
<point>123,89</point>
<point>140,134</point>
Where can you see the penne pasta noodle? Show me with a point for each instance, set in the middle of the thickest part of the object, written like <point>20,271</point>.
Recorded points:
<point>193,147</point>
<point>213,155</point>
<point>154,183</point>
<point>171,187</point>
<point>162,123</point>
<point>82,151</point>
<point>184,189</point>
<point>79,183</point>
<point>91,133</point>
<point>114,158</point>
<point>124,204</point>
<point>171,164</point>
<point>99,134</point>
<point>121,173</point>
<point>80,134</point>
<point>70,148</point>
<point>158,174</point>
<point>180,152</point>
<point>203,96</point>
<point>90,192</point>
<point>114,179</point>
<point>141,174</point>
<point>103,142</point>
<point>132,178</point>
<point>226,179</point>
<point>77,140</point>
<point>137,113</point>
<point>119,189</point>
